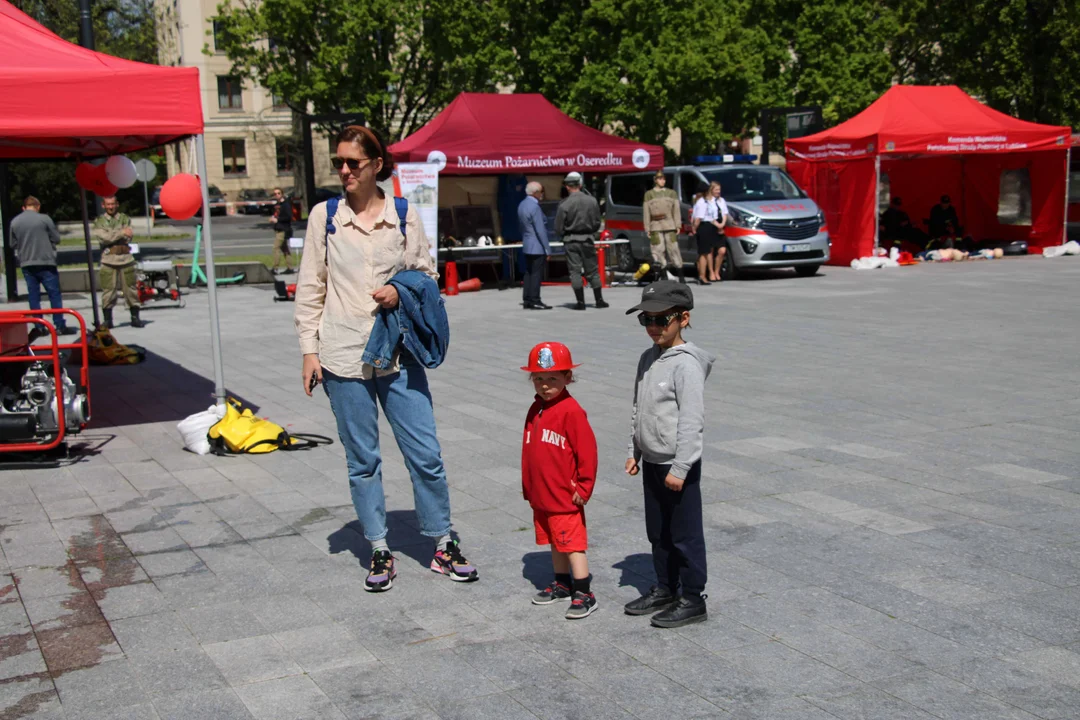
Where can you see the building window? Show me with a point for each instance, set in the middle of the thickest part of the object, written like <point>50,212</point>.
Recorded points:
<point>287,156</point>
<point>233,157</point>
<point>228,88</point>
<point>219,36</point>
<point>1014,197</point>
<point>278,102</point>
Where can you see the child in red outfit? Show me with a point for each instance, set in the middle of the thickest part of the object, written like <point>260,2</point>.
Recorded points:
<point>558,471</point>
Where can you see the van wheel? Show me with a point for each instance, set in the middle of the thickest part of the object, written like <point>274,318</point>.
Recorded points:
<point>624,258</point>
<point>728,271</point>
<point>806,270</point>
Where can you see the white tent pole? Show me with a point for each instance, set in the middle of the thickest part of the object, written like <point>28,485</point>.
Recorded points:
<point>211,277</point>
<point>1068,177</point>
<point>877,202</point>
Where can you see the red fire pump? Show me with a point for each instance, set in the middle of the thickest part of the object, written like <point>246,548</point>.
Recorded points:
<point>40,403</point>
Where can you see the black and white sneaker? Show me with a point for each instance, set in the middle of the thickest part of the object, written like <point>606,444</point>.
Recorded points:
<point>552,593</point>
<point>582,606</point>
<point>383,571</point>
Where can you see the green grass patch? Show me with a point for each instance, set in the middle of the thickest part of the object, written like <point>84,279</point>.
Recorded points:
<point>81,242</point>
<point>266,260</point>
<point>185,260</point>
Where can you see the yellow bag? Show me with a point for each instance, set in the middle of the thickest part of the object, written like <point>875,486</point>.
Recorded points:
<point>104,349</point>
<point>240,432</point>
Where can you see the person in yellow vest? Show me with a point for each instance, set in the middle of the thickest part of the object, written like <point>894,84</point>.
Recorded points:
<point>113,232</point>
<point>662,211</point>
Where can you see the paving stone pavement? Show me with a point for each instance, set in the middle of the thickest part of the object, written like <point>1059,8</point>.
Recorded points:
<point>892,480</point>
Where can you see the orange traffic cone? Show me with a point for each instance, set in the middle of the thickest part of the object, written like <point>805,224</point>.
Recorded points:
<point>451,278</point>
<point>470,285</point>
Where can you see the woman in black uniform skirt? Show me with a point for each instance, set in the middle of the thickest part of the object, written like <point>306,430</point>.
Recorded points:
<point>708,224</point>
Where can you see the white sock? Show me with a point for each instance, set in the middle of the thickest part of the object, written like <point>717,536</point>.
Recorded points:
<point>377,545</point>
<point>441,543</point>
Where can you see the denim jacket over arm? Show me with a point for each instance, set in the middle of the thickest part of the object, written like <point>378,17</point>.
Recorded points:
<point>419,323</point>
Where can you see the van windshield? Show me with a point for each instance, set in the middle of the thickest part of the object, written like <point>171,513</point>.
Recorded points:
<point>754,183</point>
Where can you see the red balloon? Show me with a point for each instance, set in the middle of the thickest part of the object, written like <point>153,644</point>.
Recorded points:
<point>84,175</point>
<point>181,196</point>
<point>105,189</point>
<point>98,182</point>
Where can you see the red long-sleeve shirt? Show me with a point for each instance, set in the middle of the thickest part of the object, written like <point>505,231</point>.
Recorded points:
<point>558,455</point>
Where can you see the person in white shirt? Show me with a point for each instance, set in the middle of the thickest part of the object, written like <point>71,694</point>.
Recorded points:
<point>709,217</point>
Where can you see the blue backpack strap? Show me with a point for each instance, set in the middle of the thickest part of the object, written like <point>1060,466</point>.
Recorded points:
<point>402,206</point>
<point>331,211</point>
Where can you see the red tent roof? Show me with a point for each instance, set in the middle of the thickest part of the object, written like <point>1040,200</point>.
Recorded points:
<point>60,100</point>
<point>491,134</point>
<point>924,120</point>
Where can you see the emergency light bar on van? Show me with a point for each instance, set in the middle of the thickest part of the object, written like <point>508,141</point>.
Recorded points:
<point>719,159</point>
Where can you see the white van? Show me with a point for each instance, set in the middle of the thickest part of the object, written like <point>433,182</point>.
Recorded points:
<point>773,223</point>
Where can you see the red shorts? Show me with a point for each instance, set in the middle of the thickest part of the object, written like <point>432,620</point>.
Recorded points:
<point>563,531</point>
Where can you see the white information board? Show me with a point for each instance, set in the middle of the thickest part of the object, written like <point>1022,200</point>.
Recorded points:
<point>419,184</point>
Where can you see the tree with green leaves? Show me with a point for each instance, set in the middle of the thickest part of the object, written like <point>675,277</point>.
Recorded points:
<point>123,28</point>
<point>398,62</point>
<point>640,68</point>
<point>1018,56</point>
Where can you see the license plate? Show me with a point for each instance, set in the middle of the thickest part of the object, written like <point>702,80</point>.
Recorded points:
<point>801,247</point>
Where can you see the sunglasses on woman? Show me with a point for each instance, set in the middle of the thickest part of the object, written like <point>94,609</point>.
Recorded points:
<point>353,163</point>
<point>657,320</point>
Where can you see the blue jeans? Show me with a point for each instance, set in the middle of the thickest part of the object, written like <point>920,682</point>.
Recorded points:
<point>49,276</point>
<point>405,399</point>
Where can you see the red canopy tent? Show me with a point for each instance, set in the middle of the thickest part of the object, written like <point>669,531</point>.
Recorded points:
<point>62,101</point>
<point>492,134</point>
<point>928,142</point>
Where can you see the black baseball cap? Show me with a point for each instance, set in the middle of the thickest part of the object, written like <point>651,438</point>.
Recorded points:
<point>664,295</point>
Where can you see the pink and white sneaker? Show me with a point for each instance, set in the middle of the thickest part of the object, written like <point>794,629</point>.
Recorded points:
<point>452,563</point>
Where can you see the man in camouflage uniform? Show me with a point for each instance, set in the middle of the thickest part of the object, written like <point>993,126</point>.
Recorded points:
<point>113,232</point>
<point>662,210</point>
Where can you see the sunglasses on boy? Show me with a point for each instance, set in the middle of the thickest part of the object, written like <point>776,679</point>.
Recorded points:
<point>353,163</point>
<point>657,320</point>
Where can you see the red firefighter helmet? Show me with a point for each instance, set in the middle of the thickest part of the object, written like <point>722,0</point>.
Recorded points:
<point>549,356</point>
<point>605,235</point>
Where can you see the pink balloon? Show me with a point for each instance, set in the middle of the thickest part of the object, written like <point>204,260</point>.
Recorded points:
<point>181,196</point>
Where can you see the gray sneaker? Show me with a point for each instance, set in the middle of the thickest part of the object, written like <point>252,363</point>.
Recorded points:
<point>552,593</point>
<point>582,606</point>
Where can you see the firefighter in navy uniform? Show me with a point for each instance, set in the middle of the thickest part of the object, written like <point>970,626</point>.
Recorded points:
<point>113,232</point>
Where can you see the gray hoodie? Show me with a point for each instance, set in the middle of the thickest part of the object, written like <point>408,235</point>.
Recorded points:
<point>668,421</point>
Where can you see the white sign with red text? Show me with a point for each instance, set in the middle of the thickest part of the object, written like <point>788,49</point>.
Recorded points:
<point>419,184</point>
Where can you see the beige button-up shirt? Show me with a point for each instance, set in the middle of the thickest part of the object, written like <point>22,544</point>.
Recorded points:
<point>334,308</point>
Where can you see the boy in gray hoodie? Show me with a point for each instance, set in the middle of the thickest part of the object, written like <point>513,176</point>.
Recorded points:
<point>667,427</point>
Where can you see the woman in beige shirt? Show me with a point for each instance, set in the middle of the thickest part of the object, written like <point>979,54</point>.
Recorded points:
<point>343,283</point>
